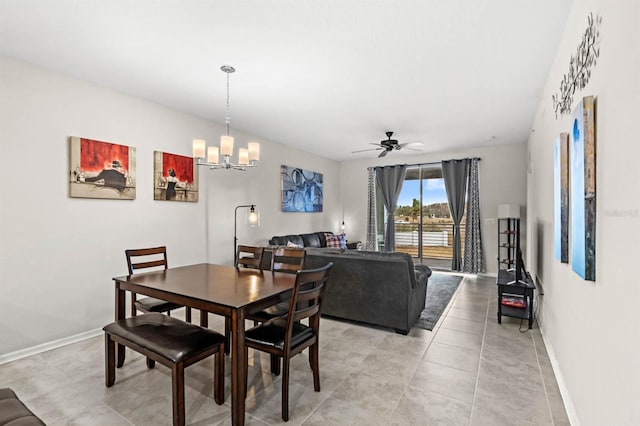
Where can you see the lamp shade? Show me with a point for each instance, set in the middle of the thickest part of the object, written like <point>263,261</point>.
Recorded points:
<point>213,154</point>
<point>254,151</point>
<point>243,156</point>
<point>508,211</point>
<point>226,145</point>
<point>198,148</point>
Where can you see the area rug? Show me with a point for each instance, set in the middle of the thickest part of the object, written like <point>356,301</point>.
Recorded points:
<point>440,289</point>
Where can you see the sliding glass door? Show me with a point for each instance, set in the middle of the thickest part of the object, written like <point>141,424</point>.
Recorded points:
<point>423,223</point>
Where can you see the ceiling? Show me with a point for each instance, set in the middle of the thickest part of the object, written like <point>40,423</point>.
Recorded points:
<point>328,77</point>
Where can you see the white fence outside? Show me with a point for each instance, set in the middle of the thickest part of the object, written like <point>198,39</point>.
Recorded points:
<point>410,238</point>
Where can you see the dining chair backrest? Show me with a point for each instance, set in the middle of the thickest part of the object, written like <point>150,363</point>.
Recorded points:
<point>287,259</point>
<point>305,299</point>
<point>249,256</point>
<point>146,258</point>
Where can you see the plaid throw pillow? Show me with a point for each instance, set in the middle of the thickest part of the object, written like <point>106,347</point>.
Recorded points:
<point>333,241</point>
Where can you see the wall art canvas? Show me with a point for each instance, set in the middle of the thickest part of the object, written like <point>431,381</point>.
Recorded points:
<point>175,177</point>
<point>301,190</point>
<point>101,169</point>
<point>561,198</point>
<point>583,189</point>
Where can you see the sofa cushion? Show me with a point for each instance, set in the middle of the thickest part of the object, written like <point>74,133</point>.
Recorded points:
<point>311,240</point>
<point>282,241</point>
<point>14,412</point>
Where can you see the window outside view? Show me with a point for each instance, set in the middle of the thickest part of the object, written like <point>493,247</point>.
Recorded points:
<point>423,201</point>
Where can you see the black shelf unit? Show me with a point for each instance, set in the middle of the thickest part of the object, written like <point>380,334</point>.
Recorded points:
<point>508,242</point>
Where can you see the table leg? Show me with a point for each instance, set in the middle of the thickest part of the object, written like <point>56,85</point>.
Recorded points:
<point>530,308</point>
<point>499,305</point>
<point>238,364</point>
<point>121,298</point>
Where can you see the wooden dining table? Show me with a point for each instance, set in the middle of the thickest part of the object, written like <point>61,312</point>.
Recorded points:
<point>219,289</point>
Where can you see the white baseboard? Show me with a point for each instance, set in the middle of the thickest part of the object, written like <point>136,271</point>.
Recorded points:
<point>564,392</point>
<point>34,350</point>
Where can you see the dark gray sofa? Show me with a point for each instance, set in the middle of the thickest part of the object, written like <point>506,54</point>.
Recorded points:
<point>383,289</point>
<point>313,239</point>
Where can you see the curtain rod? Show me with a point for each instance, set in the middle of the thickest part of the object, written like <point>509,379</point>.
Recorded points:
<point>433,163</point>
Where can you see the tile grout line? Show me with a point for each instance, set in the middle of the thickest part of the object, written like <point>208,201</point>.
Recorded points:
<point>544,385</point>
<point>475,390</point>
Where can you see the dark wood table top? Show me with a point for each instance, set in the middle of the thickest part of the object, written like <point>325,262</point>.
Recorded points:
<point>226,285</point>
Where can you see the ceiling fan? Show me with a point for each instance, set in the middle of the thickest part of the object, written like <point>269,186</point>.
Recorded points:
<point>388,145</point>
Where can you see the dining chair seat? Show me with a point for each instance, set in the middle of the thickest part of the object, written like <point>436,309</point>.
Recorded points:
<point>279,310</point>
<point>273,332</point>
<point>151,304</point>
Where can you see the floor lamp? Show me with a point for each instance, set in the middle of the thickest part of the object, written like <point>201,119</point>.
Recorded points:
<point>252,219</point>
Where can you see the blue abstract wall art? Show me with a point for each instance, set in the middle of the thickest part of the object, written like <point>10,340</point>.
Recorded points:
<point>301,190</point>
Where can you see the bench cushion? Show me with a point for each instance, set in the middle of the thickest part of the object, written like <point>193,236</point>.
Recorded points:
<point>166,336</point>
<point>13,412</point>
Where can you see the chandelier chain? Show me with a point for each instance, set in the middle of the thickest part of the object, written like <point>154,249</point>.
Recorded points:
<point>228,117</point>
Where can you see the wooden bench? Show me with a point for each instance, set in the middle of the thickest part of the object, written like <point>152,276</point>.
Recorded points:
<point>171,342</point>
<point>13,412</point>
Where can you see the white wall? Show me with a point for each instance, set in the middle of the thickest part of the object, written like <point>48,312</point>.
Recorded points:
<point>591,328</point>
<point>58,254</point>
<point>502,174</point>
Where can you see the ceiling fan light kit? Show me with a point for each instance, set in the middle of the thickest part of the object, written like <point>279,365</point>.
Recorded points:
<point>388,145</point>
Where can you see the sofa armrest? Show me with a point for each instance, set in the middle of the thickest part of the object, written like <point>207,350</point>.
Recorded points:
<point>422,272</point>
<point>354,245</point>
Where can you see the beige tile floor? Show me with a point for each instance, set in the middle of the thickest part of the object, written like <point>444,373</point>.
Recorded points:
<point>467,371</point>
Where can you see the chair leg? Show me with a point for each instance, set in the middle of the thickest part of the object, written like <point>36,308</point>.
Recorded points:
<point>187,314</point>
<point>275,365</point>
<point>246,369</point>
<point>109,360</point>
<point>285,389</point>
<point>315,367</point>
<point>150,363</point>
<point>218,379</point>
<point>177,383</point>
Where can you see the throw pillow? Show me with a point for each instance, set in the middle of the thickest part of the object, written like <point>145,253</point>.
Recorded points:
<point>333,241</point>
<point>290,244</point>
<point>343,241</point>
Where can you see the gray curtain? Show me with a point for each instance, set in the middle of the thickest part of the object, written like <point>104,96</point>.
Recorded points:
<point>455,174</point>
<point>390,180</point>
<point>474,260</point>
<point>372,233</point>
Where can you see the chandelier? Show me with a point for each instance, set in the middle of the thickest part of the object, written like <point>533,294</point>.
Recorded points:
<point>247,157</point>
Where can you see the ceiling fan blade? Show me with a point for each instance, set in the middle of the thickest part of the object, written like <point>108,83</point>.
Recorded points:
<point>414,149</point>
<point>363,150</point>
<point>383,153</point>
<point>408,144</point>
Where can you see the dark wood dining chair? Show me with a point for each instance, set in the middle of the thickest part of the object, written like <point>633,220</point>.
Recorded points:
<point>171,342</point>
<point>285,337</point>
<point>249,256</point>
<point>283,259</point>
<point>150,258</point>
